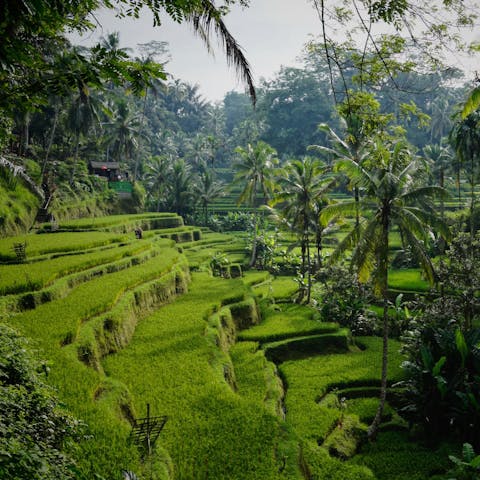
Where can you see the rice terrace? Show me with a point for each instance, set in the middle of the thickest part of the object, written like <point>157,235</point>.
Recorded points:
<point>280,282</point>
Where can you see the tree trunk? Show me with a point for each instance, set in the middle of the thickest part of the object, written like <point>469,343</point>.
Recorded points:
<point>50,141</point>
<point>383,272</point>
<point>75,158</point>
<point>253,258</point>
<point>373,428</point>
<point>319,248</point>
<point>309,272</point>
<point>357,205</point>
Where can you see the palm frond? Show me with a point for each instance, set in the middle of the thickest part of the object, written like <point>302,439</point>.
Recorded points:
<point>341,209</point>
<point>207,16</point>
<point>472,103</point>
<point>420,254</point>
<point>428,191</point>
<point>364,254</point>
<point>429,219</point>
<point>347,243</point>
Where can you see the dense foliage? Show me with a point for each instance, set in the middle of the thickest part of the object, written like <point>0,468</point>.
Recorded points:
<point>33,428</point>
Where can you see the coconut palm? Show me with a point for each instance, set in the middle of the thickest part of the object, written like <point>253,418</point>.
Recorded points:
<point>465,139</point>
<point>123,132</point>
<point>254,170</point>
<point>355,147</point>
<point>303,185</point>
<point>81,117</point>
<point>180,187</point>
<point>392,197</point>
<point>157,177</point>
<point>207,190</point>
<point>440,157</point>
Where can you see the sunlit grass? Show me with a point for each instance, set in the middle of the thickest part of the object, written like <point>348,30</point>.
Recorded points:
<point>168,364</point>
<point>15,278</point>
<point>288,320</point>
<point>41,244</point>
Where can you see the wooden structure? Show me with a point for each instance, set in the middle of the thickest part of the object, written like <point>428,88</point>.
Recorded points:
<point>109,170</point>
<point>145,431</point>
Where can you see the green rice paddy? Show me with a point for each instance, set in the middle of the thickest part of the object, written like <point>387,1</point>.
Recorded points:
<point>130,326</point>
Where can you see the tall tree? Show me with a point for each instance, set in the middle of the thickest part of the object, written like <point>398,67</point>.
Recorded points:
<point>254,171</point>
<point>180,188</point>
<point>393,197</point>
<point>465,139</point>
<point>157,175</point>
<point>207,190</point>
<point>302,184</point>
<point>122,134</point>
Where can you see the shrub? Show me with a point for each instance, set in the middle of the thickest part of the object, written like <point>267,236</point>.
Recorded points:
<point>33,429</point>
<point>344,300</point>
<point>442,389</point>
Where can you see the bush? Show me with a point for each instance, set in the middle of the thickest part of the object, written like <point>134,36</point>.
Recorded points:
<point>33,429</point>
<point>442,389</point>
<point>344,300</point>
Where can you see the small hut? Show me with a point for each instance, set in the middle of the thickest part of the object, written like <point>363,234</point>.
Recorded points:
<point>109,170</point>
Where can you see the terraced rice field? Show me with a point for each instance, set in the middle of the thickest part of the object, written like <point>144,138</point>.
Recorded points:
<point>254,387</point>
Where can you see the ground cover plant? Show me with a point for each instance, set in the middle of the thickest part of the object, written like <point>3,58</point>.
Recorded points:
<point>16,278</point>
<point>278,289</point>
<point>208,421</point>
<point>287,320</point>
<point>311,379</point>
<point>34,428</point>
<point>43,244</point>
<point>57,325</point>
<point>152,219</point>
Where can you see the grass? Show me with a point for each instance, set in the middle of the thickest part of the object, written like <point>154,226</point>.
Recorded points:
<point>407,279</point>
<point>56,321</point>
<point>98,401</point>
<point>287,321</point>
<point>42,244</point>
<point>280,288</point>
<point>151,219</point>
<point>17,278</point>
<point>394,456</point>
<point>310,379</point>
<point>168,364</point>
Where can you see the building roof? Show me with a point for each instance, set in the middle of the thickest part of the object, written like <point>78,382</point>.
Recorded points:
<point>105,165</point>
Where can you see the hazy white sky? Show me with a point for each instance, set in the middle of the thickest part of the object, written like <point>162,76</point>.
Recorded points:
<point>271,32</point>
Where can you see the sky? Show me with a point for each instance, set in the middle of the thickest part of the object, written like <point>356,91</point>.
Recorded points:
<point>272,33</point>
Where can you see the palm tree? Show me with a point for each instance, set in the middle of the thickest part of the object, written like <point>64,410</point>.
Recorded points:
<point>254,170</point>
<point>207,190</point>
<point>180,187</point>
<point>355,147</point>
<point>302,188</point>
<point>440,157</point>
<point>81,117</point>
<point>123,132</point>
<point>393,197</point>
<point>157,177</point>
<point>465,138</point>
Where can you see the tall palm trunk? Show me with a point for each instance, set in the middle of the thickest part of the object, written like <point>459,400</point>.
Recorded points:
<point>383,273</point>
<point>50,141</point>
<point>309,271</point>
<point>319,244</point>
<point>253,258</point>
<point>357,206</point>
<point>75,158</point>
